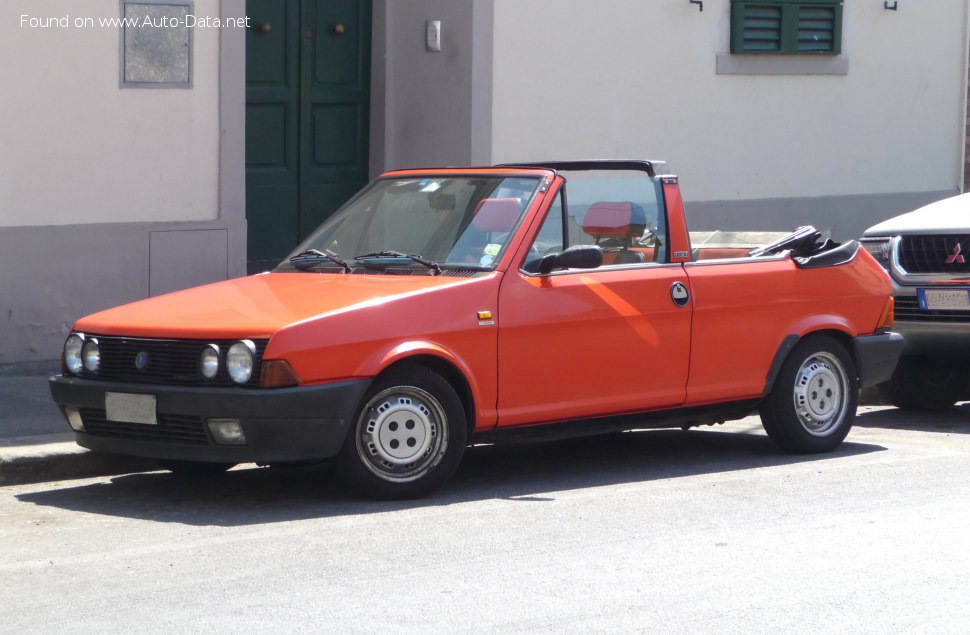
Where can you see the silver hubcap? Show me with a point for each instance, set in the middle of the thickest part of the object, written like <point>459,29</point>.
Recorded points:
<point>402,433</point>
<point>820,394</point>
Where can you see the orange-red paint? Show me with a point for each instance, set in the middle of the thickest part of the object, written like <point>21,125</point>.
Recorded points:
<point>563,346</point>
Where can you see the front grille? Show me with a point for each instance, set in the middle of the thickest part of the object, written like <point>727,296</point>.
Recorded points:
<point>169,362</point>
<point>907,310</point>
<point>171,428</point>
<point>935,254</point>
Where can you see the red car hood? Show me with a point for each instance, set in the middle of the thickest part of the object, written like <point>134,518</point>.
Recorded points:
<point>256,306</point>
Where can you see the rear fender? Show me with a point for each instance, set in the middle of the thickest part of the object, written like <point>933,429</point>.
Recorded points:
<point>804,328</point>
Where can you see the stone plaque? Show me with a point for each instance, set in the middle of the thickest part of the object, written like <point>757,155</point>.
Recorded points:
<point>156,44</point>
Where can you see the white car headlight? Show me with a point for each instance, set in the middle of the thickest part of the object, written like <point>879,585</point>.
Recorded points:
<point>240,361</point>
<point>91,355</point>
<point>880,249</point>
<point>209,362</point>
<point>72,352</point>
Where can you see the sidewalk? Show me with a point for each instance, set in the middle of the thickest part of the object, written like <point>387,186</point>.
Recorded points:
<point>36,443</point>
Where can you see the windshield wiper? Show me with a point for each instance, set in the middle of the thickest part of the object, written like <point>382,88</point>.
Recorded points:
<point>310,257</point>
<point>430,264</point>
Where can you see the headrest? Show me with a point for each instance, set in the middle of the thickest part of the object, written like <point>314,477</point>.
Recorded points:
<point>496,214</point>
<point>614,220</point>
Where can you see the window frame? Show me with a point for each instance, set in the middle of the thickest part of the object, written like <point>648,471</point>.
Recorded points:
<point>788,30</point>
<point>564,219</point>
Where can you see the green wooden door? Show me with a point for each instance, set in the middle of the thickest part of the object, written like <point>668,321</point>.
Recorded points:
<point>307,112</point>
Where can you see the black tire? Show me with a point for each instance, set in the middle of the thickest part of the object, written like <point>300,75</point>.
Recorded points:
<point>195,468</point>
<point>408,437</point>
<point>921,383</point>
<point>813,402</point>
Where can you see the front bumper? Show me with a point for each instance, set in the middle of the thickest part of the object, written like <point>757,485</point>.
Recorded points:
<point>281,424</point>
<point>876,357</point>
<point>938,334</point>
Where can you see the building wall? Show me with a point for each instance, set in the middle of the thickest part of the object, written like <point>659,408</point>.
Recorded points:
<point>431,108</point>
<point>840,143</point>
<point>110,195</point>
<point>89,151</point>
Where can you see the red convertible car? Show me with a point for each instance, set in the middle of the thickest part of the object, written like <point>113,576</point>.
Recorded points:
<point>441,307</point>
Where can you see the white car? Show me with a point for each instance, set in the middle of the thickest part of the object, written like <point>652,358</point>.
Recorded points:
<point>927,253</point>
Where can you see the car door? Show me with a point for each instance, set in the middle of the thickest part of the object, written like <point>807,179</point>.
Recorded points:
<point>584,343</point>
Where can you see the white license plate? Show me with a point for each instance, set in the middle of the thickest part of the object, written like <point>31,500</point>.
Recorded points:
<point>944,299</point>
<point>127,408</point>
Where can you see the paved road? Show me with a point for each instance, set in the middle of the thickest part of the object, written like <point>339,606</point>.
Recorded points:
<point>711,531</point>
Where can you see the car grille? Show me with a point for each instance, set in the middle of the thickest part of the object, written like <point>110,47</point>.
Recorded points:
<point>171,428</point>
<point>935,254</point>
<point>907,310</point>
<point>170,362</point>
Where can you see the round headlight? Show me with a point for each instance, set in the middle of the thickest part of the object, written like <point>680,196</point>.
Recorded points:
<point>209,362</point>
<point>240,361</point>
<point>72,352</point>
<point>91,355</point>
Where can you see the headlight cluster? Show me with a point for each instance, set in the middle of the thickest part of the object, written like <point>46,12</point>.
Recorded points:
<point>879,248</point>
<point>81,352</point>
<point>240,361</point>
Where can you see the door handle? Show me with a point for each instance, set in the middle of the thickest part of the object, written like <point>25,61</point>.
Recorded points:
<point>337,29</point>
<point>265,28</point>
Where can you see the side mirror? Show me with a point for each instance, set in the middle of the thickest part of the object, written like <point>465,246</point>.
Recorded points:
<point>577,257</point>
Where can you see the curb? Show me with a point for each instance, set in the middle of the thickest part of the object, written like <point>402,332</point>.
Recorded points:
<point>56,457</point>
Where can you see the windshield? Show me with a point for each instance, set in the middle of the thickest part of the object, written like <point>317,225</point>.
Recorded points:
<point>463,222</point>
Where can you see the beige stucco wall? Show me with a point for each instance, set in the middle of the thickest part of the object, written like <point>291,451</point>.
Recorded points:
<point>76,148</point>
<point>637,79</point>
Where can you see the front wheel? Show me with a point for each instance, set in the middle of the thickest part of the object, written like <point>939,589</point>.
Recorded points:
<point>813,402</point>
<point>408,437</point>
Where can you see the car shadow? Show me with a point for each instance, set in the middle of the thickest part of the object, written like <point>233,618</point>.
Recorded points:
<point>527,473</point>
<point>955,420</point>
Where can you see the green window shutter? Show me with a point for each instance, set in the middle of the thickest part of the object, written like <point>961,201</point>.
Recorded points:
<point>819,29</point>
<point>757,28</point>
<point>786,26</point>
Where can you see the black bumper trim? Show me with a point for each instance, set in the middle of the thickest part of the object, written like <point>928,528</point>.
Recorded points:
<point>281,424</point>
<point>876,357</point>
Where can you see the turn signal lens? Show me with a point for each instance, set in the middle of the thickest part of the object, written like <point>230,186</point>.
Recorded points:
<point>888,316</point>
<point>74,418</point>
<point>276,373</point>
<point>227,431</point>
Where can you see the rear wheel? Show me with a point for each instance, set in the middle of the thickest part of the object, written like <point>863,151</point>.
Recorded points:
<point>813,402</point>
<point>408,438</point>
<point>921,383</point>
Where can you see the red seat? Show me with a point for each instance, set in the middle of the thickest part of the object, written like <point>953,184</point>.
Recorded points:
<point>621,221</point>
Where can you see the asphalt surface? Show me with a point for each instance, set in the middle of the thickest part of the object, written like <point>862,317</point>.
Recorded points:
<point>710,530</point>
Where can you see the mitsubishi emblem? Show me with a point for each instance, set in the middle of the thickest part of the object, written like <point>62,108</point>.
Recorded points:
<point>956,257</point>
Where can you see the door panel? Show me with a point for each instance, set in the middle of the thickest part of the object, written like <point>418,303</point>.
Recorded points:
<point>307,117</point>
<point>593,343</point>
<point>272,130</point>
<point>335,103</point>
